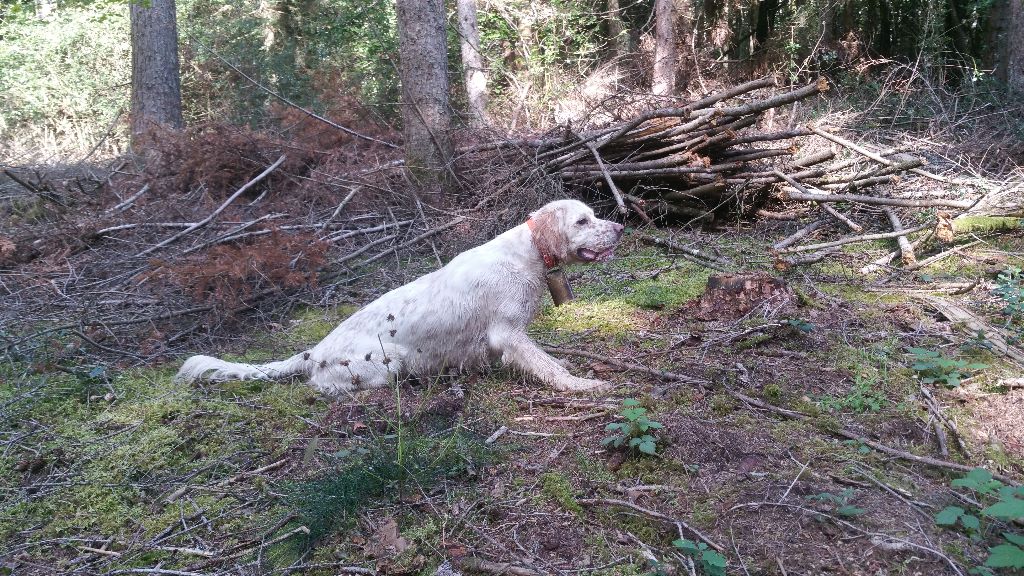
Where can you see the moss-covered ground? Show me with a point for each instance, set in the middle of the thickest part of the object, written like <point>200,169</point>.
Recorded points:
<point>109,470</point>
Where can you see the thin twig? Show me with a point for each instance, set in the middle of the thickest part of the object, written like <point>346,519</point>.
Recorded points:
<point>855,528</point>
<point>216,212</point>
<point>652,514</point>
<point>852,239</point>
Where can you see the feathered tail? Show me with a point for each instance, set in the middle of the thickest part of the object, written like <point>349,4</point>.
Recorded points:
<point>209,368</point>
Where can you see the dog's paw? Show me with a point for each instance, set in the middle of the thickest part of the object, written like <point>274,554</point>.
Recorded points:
<point>587,385</point>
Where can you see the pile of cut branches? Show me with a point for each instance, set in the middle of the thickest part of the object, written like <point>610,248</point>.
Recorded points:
<point>713,156</point>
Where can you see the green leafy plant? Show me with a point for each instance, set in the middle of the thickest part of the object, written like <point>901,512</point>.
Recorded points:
<point>801,325</point>
<point>376,470</point>
<point>636,432</point>
<point>933,366</point>
<point>858,445</point>
<point>1010,288</point>
<point>863,397</point>
<point>1005,505</point>
<point>840,502</point>
<point>711,562</point>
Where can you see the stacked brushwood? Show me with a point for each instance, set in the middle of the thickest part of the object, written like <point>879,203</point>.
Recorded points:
<point>708,157</point>
<point>682,161</point>
<point>691,160</point>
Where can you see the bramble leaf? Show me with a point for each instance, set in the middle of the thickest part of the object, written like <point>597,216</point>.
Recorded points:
<point>1006,509</point>
<point>971,522</point>
<point>948,516</point>
<point>1005,556</point>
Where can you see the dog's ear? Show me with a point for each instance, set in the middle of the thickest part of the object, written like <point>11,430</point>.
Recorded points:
<point>549,232</point>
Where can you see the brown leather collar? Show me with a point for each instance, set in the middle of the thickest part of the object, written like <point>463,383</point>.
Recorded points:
<point>549,260</point>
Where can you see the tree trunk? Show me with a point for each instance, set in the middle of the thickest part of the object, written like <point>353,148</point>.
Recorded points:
<point>617,33</point>
<point>472,63</point>
<point>426,115</point>
<point>156,82</point>
<point>1015,45</point>
<point>666,61</point>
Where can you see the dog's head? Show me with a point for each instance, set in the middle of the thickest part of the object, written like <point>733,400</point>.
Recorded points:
<point>568,231</point>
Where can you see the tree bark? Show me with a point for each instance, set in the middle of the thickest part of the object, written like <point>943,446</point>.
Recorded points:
<point>426,114</point>
<point>666,60</point>
<point>472,62</point>
<point>1015,45</point>
<point>617,30</point>
<point>156,81</point>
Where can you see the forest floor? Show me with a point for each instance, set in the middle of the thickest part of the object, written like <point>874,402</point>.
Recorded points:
<point>834,422</point>
<point>772,453</point>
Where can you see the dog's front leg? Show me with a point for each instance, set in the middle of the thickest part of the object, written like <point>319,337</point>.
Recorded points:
<point>517,350</point>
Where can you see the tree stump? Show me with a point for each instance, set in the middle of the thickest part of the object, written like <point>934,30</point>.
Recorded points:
<point>733,295</point>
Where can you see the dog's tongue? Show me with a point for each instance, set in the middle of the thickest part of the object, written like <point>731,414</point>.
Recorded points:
<point>592,256</point>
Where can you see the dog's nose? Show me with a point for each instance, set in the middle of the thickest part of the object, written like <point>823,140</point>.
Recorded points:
<point>618,228</point>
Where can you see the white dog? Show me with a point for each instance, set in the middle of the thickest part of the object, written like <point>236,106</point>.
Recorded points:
<point>467,314</point>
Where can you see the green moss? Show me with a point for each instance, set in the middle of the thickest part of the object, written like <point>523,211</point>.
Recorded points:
<point>851,292</point>
<point>804,300</point>
<point>592,468</point>
<point>806,406</point>
<point>312,325</point>
<point>790,431</point>
<point>611,317</point>
<point>722,404</point>
<point>827,423</point>
<point>639,526</point>
<point>557,489</point>
<point>752,342</point>
<point>702,514</point>
<point>670,290</point>
<point>772,393</point>
<point>656,471</point>
<point>968,224</point>
<point>1000,458</point>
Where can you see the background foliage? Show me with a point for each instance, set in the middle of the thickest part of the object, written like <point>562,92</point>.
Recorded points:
<point>64,76</point>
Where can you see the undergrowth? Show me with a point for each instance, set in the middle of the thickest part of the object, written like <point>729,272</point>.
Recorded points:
<point>384,468</point>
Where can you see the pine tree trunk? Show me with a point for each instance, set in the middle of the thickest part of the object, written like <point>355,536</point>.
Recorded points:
<point>156,81</point>
<point>617,33</point>
<point>472,63</point>
<point>1015,45</point>
<point>666,61</point>
<point>426,115</point>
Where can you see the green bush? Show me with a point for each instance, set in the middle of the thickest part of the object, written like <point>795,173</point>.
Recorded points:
<point>63,79</point>
<point>1003,509</point>
<point>933,366</point>
<point>637,432</point>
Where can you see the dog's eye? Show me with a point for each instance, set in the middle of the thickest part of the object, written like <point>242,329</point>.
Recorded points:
<point>581,221</point>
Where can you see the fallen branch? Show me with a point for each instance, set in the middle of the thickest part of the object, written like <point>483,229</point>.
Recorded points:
<point>937,411</point>
<point>216,212</point>
<point>852,239</point>
<point>798,235</point>
<point>702,259</point>
<point>906,248</point>
<point>481,565</point>
<point>652,514</point>
<point>869,154</point>
<point>941,255</point>
<point>828,209</point>
<point>127,203</point>
<point>607,178</point>
<point>874,535</point>
<point>905,202</point>
<point>627,365</point>
<point>850,435</point>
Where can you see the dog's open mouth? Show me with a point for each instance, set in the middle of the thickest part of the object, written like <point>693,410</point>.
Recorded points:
<point>588,255</point>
